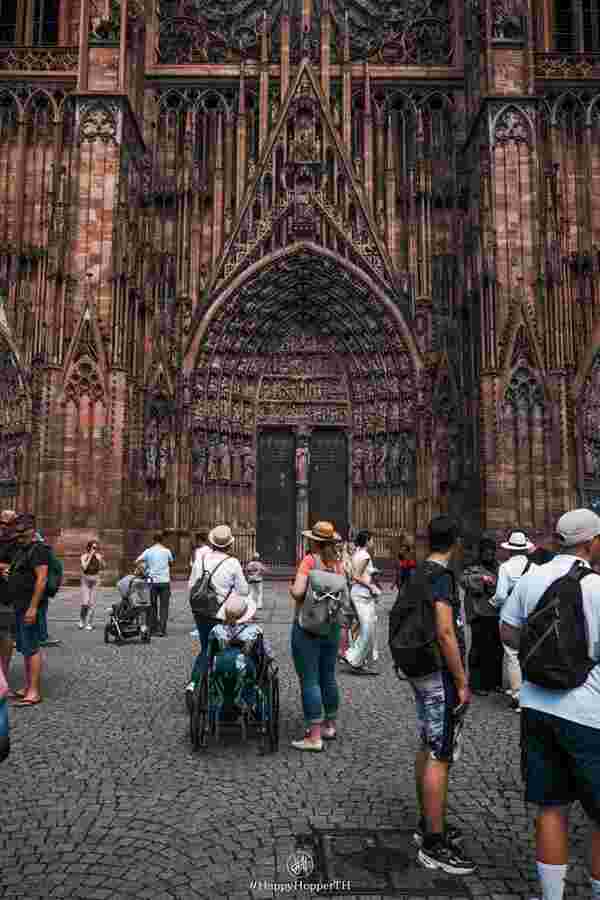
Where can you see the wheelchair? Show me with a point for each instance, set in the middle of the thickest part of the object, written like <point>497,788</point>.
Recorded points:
<point>259,717</point>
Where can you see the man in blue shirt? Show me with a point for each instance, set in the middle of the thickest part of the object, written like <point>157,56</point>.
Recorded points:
<point>157,560</point>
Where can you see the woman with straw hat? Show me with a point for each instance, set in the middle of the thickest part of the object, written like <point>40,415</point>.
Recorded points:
<point>314,656</point>
<point>226,576</point>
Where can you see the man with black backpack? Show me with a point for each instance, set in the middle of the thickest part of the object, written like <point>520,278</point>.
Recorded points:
<point>27,579</point>
<point>553,619</point>
<point>427,645</point>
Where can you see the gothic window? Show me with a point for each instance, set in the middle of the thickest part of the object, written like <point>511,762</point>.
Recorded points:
<point>29,22</point>
<point>577,25</point>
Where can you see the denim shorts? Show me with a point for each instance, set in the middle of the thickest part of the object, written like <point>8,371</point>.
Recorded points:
<point>29,637</point>
<point>560,762</point>
<point>438,727</point>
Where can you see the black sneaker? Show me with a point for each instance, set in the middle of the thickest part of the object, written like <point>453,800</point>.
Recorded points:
<point>453,835</point>
<point>446,857</point>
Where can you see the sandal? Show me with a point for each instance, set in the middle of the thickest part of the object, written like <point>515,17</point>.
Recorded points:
<point>329,735</point>
<point>24,702</point>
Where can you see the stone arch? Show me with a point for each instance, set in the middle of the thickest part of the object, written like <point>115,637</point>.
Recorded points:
<point>512,124</point>
<point>304,306</point>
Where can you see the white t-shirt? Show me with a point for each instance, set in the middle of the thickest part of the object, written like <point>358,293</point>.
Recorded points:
<point>360,590</point>
<point>229,576</point>
<point>582,704</point>
<point>509,575</point>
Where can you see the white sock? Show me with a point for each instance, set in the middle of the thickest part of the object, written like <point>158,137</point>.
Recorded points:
<point>595,889</point>
<point>552,879</point>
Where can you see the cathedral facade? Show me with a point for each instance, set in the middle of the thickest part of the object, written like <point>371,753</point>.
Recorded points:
<point>265,262</point>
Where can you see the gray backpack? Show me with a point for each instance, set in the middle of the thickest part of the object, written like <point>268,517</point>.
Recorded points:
<point>326,601</point>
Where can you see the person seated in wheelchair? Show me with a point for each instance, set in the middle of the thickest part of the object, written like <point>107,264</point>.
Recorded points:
<point>237,656</point>
<point>127,588</point>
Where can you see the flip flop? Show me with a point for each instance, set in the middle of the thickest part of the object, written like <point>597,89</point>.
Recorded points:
<point>24,702</point>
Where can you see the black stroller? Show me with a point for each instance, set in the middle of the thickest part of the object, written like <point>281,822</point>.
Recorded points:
<point>130,618</point>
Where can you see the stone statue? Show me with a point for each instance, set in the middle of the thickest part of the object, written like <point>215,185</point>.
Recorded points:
<point>236,471</point>
<point>225,459</point>
<point>152,451</point>
<point>394,463</point>
<point>213,463</point>
<point>381,461</point>
<point>357,464</point>
<point>164,458</point>
<point>302,463</point>
<point>247,465</point>
<point>370,474</point>
<point>199,464</point>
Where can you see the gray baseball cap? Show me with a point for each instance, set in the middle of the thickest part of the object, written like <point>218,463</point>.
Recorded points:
<point>578,526</point>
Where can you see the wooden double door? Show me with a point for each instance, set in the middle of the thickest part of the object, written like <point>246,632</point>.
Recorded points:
<point>282,503</point>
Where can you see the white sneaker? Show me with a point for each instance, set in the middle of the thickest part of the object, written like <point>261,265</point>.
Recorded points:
<point>89,627</point>
<point>190,686</point>
<point>80,625</point>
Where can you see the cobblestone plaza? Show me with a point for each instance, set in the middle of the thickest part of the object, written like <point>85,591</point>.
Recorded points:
<point>102,797</point>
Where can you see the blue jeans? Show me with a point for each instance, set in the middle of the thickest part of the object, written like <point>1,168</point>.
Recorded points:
<point>315,661</point>
<point>204,626</point>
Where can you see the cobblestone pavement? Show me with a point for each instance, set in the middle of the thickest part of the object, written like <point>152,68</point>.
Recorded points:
<point>103,798</point>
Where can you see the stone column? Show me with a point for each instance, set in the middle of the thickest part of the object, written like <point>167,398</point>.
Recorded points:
<point>302,471</point>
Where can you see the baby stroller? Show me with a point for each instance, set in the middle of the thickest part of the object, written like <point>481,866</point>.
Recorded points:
<point>130,618</point>
<point>240,690</point>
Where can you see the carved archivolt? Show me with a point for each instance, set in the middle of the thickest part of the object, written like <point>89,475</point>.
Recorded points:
<point>98,121</point>
<point>512,125</point>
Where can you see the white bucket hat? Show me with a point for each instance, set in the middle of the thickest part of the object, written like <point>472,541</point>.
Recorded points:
<point>242,609</point>
<point>518,541</point>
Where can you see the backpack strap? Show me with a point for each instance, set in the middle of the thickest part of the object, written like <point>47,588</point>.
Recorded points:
<point>211,573</point>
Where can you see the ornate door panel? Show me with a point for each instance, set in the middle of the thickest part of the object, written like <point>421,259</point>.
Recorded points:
<point>328,479</point>
<point>276,497</point>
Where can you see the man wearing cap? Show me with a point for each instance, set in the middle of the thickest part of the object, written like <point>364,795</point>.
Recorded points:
<point>157,560</point>
<point>26,587</point>
<point>560,736</point>
<point>510,572</point>
<point>227,577</point>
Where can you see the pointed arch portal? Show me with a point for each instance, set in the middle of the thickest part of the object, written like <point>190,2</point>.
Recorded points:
<point>302,392</point>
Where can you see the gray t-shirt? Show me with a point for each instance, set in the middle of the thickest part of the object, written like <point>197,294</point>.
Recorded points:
<point>582,704</point>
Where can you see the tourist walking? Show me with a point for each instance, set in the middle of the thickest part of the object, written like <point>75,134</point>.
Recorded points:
<point>509,573</point>
<point>427,643</point>
<point>315,655</point>
<point>255,571</point>
<point>404,566</point>
<point>360,655</point>
<point>560,726</point>
<point>8,549</point>
<point>158,560</point>
<point>226,576</point>
<point>92,563</point>
<point>486,653</point>
<point>26,589</point>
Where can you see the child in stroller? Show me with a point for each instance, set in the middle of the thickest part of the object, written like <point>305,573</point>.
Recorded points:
<point>130,617</point>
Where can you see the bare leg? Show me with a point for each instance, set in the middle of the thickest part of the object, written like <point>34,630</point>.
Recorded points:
<point>33,676</point>
<point>435,793</point>
<point>420,762</point>
<point>596,853</point>
<point>552,836</point>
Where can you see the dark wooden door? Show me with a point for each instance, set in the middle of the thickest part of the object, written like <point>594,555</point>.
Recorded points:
<point>276,497</point>
<point>328,481</point>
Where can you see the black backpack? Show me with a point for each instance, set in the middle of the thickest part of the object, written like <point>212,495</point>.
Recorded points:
<point>204,600</point>
<point>553,650</point>
<point>412,628</point>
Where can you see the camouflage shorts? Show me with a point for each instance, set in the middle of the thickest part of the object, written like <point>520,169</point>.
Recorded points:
<point>438,722</point>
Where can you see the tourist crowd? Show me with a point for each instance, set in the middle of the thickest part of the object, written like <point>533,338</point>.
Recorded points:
<point>533,621</point>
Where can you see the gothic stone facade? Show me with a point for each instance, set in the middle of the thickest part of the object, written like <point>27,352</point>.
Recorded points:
<point>266,261</point>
